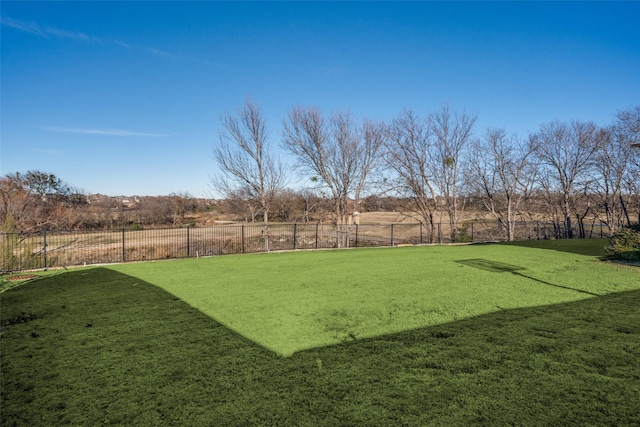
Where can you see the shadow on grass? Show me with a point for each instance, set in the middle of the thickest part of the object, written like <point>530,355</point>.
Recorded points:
<point>588,247</point>
<point>490,265</point>
<point>502,267</point>
<point>95,347</point>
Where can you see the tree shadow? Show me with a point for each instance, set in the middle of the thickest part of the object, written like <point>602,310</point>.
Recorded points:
<point>588,247</point>
<point>90,345</point>
<point>489,265</point>
<point>502,267</point>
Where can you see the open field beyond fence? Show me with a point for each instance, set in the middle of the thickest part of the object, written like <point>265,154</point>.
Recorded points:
<point>530,333</point>
<point>50,249</point>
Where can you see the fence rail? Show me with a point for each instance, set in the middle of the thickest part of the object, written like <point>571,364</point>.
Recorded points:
<point>50,249</point>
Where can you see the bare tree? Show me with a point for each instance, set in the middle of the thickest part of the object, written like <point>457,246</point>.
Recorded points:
<point>37,200</point>
<point>309,201</point>
<point>627,127</point>
<point>154,210</point>
<point>451,134</point>
<point>15,202</point>
<point>245,162</point>
<point>374,136</point>
<point>612,167</point>
<point>182,204</point>
<point>503,173</point>
<point>629,122</point>
<point>337,150</point>
<point>241,204</point>
<point>285,207</point>
<point>567,151</point>
<point>408,155</point>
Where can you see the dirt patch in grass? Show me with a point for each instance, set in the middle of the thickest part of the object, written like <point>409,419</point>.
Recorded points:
<point>9,282</point>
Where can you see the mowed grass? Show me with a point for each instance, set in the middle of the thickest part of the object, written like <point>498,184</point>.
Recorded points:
<point>471,335</point>
<point>289,302</point>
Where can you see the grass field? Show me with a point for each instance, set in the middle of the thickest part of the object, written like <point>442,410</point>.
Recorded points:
<point>509,334</point>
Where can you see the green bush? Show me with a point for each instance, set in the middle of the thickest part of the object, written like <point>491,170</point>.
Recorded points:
<point>624,244</point>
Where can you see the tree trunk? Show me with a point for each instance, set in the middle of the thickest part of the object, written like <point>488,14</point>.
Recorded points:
<point>266,230</point>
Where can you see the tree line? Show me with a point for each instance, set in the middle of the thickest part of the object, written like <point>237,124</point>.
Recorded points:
<point>36,201</point>
<point>439,163</point>
<point>433,167</point>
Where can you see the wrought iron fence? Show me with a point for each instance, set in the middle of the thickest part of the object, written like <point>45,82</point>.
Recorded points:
<point>48,249</point>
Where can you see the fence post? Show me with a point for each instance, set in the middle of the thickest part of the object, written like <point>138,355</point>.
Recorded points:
<point>123,252</point>
<point>44,247</point>
<point>439,234</point>
<point>243,249</point>
<point>295,229</point>
<point>421,242</point>
<point>391,234</point>
<point>356,235</point>
<point>472,232</point>
<point>317,224</point>
<point>188,244</point>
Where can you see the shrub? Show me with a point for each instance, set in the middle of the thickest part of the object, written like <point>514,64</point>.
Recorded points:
<point>624,244</point>
<point>462,235</point>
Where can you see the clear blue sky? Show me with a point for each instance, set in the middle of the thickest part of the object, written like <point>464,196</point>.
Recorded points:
<point>124,98</point>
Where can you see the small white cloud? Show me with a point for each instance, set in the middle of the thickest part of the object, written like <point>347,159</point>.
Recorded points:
<point>121,44</point>
<point>28,27</point>
<point>157,52</point>
<point>71,35</point>
<point>107,132</point>
<point>46,32</point>
<point>50,32</point>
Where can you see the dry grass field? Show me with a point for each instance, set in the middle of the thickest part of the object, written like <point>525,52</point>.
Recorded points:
<point>69,248</point>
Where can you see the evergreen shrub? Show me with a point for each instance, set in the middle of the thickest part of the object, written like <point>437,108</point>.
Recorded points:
<point>625,244</point>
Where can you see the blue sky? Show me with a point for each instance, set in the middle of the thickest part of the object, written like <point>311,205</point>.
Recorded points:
<point>125,98</point>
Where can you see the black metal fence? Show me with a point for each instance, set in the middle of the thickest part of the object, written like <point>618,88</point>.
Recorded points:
<point>48,249</point>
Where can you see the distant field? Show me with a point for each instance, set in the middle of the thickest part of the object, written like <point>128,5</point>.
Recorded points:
<point>490,334</point>
<point>79,247</point>
<point>409,217</point>
<point>385,218</point>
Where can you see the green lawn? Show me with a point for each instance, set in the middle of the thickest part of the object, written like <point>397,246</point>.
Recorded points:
<point>442,335</point>
<point>288,302</point>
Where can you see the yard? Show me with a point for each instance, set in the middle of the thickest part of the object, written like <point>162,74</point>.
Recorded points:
<point>524,334</point>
